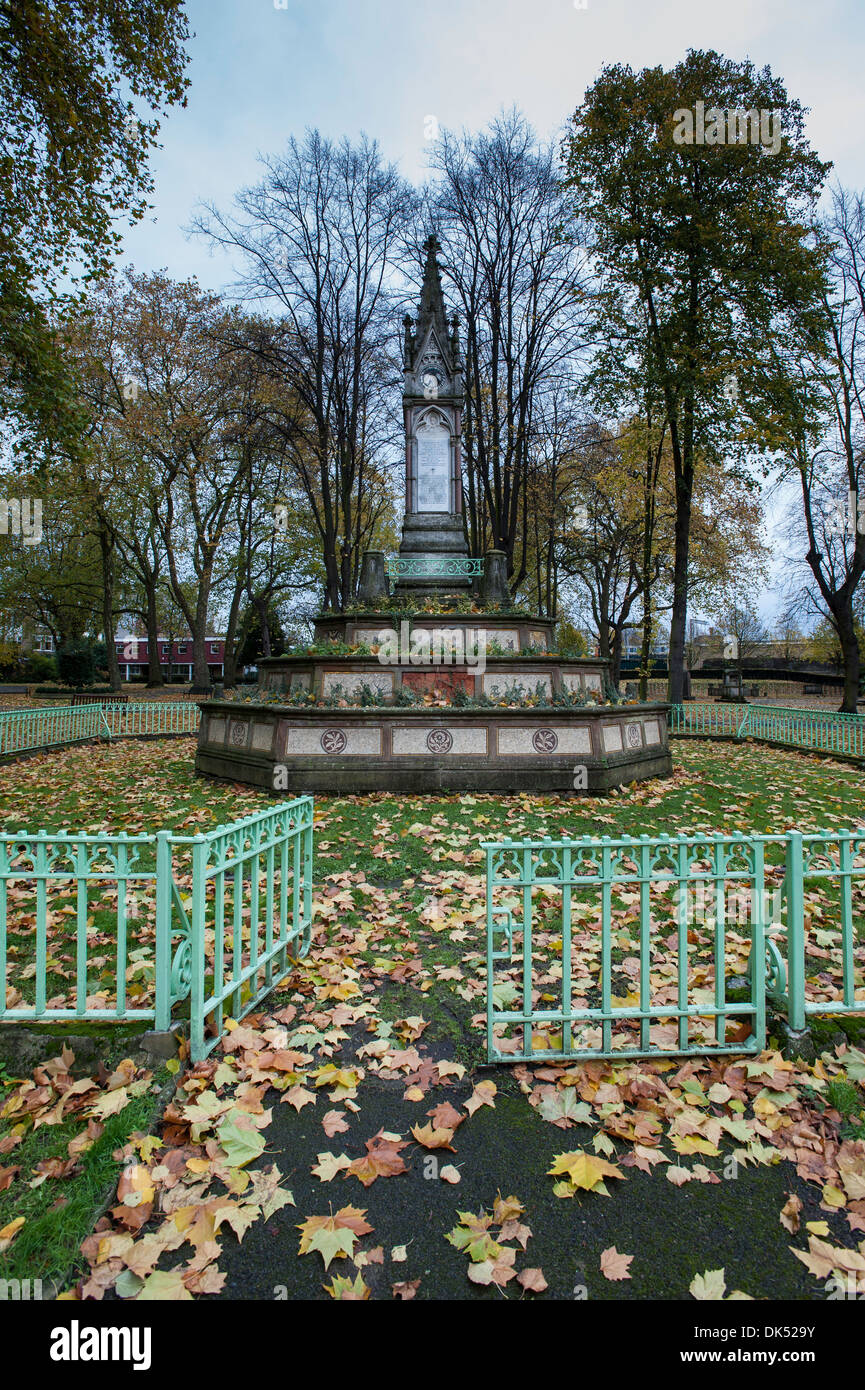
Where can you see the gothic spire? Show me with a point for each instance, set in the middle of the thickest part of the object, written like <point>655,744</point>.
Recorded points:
<point>432,305</point>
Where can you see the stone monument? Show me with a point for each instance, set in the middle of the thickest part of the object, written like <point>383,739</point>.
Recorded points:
<point>433,679</point>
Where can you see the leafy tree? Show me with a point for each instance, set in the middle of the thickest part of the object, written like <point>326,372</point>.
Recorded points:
<point>606,548</point>
<point>703,245</point>
<point>823,644</point>
<point>82,86</point>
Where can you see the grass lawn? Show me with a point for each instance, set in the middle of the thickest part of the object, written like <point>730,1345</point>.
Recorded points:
<point>375,1038</point>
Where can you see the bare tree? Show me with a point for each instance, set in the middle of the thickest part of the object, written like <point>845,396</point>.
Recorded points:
<point>742,626</point>
<point>321,236</point>
<point>818,390</point>
<point>498,208</point>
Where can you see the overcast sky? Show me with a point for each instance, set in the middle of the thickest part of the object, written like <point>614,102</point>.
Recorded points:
<point>260,74</point>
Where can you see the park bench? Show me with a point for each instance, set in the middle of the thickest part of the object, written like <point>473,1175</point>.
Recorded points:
<point>812,690</point>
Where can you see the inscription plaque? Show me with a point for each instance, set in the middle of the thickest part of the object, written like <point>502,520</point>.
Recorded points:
<point>433,468</point>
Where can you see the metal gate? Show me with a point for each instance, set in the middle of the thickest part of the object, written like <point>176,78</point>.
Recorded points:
<point>661,947</point>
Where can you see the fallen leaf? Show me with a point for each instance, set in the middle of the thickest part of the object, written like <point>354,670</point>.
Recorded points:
<point>613,1265</point>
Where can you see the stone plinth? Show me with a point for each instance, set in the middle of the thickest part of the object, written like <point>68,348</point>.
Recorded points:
<point>344,677</point>
<point>345,751</point>
<point>513,631</point>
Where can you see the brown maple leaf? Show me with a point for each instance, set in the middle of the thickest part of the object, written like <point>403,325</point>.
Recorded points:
<point>381,1160</point>
<point>445,1116</point>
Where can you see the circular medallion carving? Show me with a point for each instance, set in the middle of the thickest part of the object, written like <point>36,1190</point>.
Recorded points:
<point>439,741</point>
<point>333,741</point>
<point>545,741</point>
<point>238,735</point>
<point>633,736</point>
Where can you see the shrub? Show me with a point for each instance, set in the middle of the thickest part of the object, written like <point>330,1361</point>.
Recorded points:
<point>10,661</point>
<point>41,667</point>
<point>75,665</point>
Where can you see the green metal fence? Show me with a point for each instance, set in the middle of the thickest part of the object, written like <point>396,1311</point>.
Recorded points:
<point>117,926</point>
<point>23,730</point>
<point>251,907</point>
<point>825,925</point>
<point>818,730</point>
<point>627,947</point>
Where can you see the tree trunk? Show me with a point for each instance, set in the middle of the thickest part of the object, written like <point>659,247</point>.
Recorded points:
<point>229,667</point>
<point>200,670</point>
<point>678,621</point>
<point>262,606</point>
<point>616,658</point>
<point>852,660</point>
<point>106,550</point>
<point>154,665</point>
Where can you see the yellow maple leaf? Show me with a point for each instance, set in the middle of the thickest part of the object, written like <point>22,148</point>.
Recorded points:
<point>334,1237</point>
<point>583,1170</point>
<point>347,1290</point>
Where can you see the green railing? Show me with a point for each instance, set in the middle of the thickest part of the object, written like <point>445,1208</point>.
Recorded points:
<point>628,947</point>
<point>252,898</point>
<point>23,730</point>
<point>836,860</point>
<point>433,567</point>
<point>819,730</point>
<point>127,927</point>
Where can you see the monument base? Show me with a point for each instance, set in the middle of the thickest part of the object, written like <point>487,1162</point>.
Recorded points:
<point>346,751</point>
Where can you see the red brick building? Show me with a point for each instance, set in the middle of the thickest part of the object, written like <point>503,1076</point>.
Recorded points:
<point>133,655</point>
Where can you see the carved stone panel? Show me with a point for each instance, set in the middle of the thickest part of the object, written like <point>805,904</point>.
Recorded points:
<point>238,732</point>
<point>334,740</point>
<point>438,741</point>
<point>561,740</point>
